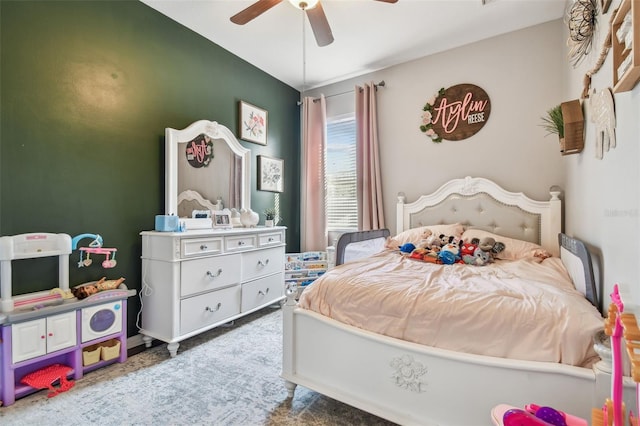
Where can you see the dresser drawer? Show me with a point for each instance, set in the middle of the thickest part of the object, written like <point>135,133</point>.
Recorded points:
<point>209,273</point>
<point>270,239</point>
<point>256,264</point>
<point>209,308</point>
<point>240,242</point>
<point>262,291</point>
<point>200,246</point>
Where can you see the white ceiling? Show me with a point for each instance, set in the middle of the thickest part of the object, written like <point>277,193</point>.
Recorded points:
<point>369,35</point>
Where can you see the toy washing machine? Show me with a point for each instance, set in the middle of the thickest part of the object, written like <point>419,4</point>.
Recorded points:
<point>101,320</point>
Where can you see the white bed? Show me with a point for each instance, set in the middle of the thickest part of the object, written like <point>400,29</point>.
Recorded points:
<point>411,383</point>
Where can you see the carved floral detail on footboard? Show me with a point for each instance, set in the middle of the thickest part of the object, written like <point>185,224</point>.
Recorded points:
<point>407,373</point>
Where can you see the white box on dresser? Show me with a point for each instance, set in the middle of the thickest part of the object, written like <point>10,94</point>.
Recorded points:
<point>196,280</point>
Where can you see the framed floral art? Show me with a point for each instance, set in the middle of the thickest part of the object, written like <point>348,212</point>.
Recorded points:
<point>253,123</point>
<point>270,174</point>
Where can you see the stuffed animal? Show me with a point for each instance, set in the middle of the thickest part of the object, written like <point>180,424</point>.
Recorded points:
<point>451,247</point>
<point>447,257</point>
<point>481,257</point>
<point>490,246</point>
<point>487,243</point>
<point>426,240</point>
<point>467,249</point>
<point>407,247</point>
<point>433,243</point>
<point>450,252</point>
<point>418,253</point>
<point>498,247</point>
<point>423,241</point>
<point>445,239</point>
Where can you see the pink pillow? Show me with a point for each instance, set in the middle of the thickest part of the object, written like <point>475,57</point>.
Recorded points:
<point>514,248</point>
<point>414,235</point>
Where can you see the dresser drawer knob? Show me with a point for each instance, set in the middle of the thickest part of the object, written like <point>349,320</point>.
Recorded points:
<point>241,243</point>
<point>263,293</point>
<point>217,308</point>
<point>203,247</point>
<point>271,239</point>
<point>212,275</point>
<point>261,263</point>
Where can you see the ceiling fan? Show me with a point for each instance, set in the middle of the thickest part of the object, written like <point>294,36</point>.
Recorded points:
<point>313,8</point>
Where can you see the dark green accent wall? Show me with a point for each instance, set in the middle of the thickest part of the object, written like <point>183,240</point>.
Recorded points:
<point>87,89</point>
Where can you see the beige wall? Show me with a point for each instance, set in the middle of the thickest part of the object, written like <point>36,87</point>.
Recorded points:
<point>525,73</point>
<point>521,74</point>
<point>602,199</point>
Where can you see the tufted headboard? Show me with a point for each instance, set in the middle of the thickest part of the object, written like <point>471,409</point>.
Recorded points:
<point>481,203</point>
<point>190,200</point>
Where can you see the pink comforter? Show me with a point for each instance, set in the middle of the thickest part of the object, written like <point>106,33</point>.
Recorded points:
<point>524,309</point>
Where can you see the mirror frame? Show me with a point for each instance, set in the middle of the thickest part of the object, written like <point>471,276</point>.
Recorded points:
<point>215,131</point>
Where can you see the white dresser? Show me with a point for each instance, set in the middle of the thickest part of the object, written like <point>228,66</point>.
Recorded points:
<point>196,280</point>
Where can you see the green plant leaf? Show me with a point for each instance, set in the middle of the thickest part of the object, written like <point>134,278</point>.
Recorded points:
<point>553,122</point>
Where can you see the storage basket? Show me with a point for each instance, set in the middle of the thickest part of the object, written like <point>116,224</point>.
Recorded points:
<point>110,349</point>
<point>91,355</point>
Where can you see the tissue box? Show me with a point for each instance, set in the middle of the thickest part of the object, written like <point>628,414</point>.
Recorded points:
<point>166,223</point>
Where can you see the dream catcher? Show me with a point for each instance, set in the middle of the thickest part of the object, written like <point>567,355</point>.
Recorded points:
<point>581,19</point>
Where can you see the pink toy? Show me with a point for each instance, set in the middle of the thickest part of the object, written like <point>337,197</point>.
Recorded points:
<point>95,247</point>
<point>618,325</point>
<point>616,353</point>
<point>498,415</point>
<point>518,417</point>
<point>110,253</point>
<point>548,414</point>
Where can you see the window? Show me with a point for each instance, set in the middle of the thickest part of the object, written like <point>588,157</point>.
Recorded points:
<point>340,175</point>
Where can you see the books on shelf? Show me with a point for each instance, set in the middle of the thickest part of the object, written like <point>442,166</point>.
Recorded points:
<point>304,268</point>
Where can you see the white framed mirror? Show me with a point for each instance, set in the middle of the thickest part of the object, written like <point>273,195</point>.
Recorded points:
<point>206,168</point>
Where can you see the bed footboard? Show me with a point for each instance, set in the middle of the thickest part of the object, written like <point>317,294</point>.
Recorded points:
<point>414,384</point>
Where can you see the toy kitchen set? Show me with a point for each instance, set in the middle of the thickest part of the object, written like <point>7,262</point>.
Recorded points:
<point>48,337</point>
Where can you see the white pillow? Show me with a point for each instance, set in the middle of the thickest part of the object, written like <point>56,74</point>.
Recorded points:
<point>514,249</point>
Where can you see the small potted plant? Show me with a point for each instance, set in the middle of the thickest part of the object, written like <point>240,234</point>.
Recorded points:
<point>269,217</point>
<point>553,122</point>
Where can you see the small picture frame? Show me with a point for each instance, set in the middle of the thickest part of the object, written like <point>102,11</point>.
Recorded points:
<point>201,214</point>
<point>252,122</point>
<point>222,219</point>
<point>270,174</point>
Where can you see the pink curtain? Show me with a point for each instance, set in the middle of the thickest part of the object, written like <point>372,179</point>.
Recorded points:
<point>371,214</point>
<point>313,223</point>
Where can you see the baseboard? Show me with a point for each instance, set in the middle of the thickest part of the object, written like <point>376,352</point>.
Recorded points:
<point>136,344</point>
<point>134,341</point>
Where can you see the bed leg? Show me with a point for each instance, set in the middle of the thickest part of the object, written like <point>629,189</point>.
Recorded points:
<point>291,388</point>
<point>288,346</point>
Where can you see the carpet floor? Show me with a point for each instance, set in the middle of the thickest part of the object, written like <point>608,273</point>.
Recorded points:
<point>227,376</point>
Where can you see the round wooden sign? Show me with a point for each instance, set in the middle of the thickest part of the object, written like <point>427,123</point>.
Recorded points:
<point>199,151</point>
<point>456,113</point>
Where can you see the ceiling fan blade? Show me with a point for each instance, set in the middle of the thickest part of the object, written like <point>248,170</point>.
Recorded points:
<point>320,25</point>
<point>389,1</point>
<point>253,11</point>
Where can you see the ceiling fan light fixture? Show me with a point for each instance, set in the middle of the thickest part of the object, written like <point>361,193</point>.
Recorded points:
<point>304,4</point>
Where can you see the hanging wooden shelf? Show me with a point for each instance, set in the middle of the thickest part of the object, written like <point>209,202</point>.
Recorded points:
<point>626,51</point>
<point>573,141</point>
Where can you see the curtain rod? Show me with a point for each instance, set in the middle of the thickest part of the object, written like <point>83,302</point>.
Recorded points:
<point>381,84</point>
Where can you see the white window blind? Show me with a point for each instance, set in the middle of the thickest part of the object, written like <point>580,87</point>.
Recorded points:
<point>340,175</point>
